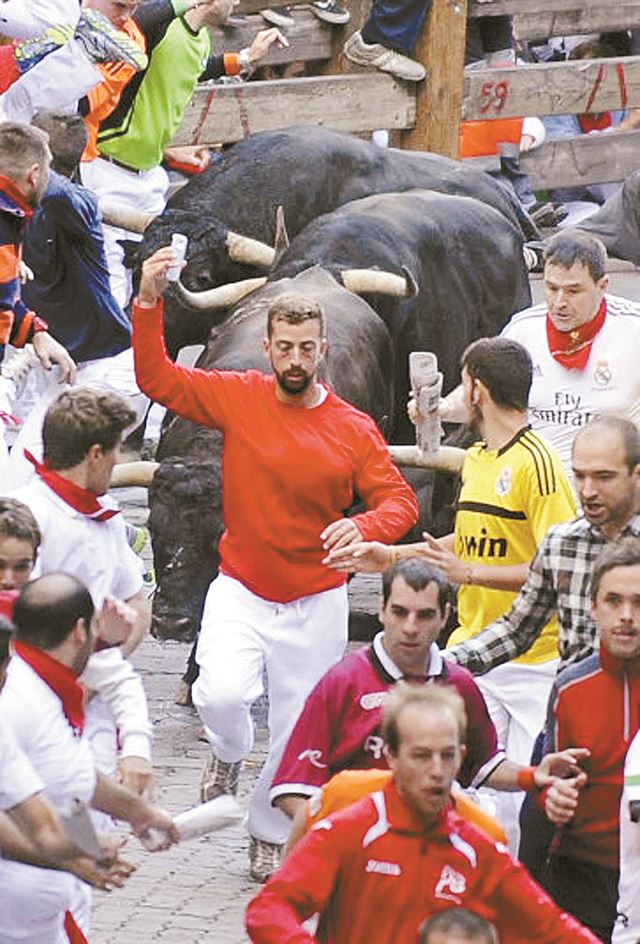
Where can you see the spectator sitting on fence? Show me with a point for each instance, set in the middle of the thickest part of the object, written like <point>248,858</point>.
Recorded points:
<point>583,200</point>
<point>389,35</point>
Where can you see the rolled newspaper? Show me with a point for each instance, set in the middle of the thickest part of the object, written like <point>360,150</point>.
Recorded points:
<point>207,818</point>
<point>426,385</point>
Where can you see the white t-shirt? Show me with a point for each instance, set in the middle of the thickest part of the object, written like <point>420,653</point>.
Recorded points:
<point>34,900</point>
<point>24,19</point>
<point>562,399</point>
<point>18,779</point>
<point>98,554</point>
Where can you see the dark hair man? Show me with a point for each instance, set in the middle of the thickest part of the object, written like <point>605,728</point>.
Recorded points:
<point>340,725</point>
<point>83,533</point>
<point>273,603</point>
<point>24,170</point>
<point>125,162</point>
<point>374,870</point>
<point>64,248</point>
<point>606,466</point>
<point>43,704</point>
<point>570,338</point>
<point>457,926</point>
<point>30,830</point>
<point>597,704</point>
<point>513,490</point>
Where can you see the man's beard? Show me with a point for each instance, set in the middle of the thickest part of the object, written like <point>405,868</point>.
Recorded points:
<point>475,419</point>
<point>294,382</point>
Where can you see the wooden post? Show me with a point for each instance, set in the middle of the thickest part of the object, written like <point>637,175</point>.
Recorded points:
<point>440,49</point>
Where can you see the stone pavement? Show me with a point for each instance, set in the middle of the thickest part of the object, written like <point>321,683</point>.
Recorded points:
<point>194,893</point>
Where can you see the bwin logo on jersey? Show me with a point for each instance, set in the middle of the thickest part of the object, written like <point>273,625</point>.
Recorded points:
<point>451,885</point>
<point>503,482</point>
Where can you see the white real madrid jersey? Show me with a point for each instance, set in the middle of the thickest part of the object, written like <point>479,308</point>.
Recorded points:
<point>563,399</point>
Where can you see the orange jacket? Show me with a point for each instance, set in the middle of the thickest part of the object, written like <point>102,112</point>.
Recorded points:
<point>482,138</point>
<point>374,872</point>
<point>349,786</point>
<point>104,97</point>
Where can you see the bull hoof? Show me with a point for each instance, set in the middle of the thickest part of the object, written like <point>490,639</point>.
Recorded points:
<point>183,695</point>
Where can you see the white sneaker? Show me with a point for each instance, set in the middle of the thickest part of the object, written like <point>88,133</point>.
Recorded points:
<point>386,60</point>
<point>282,17</point>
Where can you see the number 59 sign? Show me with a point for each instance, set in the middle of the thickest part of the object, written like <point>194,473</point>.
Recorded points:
<point>493,96</point>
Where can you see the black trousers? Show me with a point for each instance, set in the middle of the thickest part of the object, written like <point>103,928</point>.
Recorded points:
<point>588,892</point>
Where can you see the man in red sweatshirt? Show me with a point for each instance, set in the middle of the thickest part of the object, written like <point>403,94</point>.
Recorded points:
<point>274,604</point>
<point>596,704</point>
<point>377,869</point>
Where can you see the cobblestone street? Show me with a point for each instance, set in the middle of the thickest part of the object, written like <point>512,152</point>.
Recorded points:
<point>195,892</point>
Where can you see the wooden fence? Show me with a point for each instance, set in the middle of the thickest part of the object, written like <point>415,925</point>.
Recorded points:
<point>427,117</point>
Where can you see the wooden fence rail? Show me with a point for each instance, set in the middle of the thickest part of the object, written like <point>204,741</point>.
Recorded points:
<point>427,117</point>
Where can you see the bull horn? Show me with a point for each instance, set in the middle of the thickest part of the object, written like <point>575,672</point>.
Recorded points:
<point>360,281</point>
<point>282,236</point>
<point>446,459</point>
<point>128,474</point>
<point>116,215</point>
<point>249,251</point>
<point>224,296</point>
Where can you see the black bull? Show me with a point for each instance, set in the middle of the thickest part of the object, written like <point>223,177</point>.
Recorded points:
<point>308,172</point>
<point>467,262</point>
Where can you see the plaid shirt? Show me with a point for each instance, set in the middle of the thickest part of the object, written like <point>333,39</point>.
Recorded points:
<point>558,581</point>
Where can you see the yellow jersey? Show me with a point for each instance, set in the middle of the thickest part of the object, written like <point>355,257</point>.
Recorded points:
<point>509,499</point>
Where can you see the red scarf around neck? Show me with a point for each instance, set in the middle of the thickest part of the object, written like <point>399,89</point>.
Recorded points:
<point>60,680</point>
<point>13,191</point>
<point>572,348</point>
<point>74,933</point>
<point>84,501</point>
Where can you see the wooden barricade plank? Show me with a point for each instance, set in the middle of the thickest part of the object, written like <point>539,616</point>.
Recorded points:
<point>440,49</point>
<point>553,88</point>
<point>309,39</point>
<point>604,18</point>
<point>254,6</point>
<point>479,8</point>
<point>352,103</point>
<point>589,159</point>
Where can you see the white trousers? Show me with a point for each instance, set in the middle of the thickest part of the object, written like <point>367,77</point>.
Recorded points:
<point>109,374</point>
<point>56,83</point>
<point>627,926</point>
<point>516,696</point>
<point>145,191</point>
<point>33,903</point>
<point>242,636</point>
<point>24,19</point>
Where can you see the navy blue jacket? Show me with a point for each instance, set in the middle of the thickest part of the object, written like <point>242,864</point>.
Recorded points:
<point>63,244</point>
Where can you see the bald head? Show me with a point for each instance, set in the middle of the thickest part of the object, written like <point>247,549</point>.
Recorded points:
<point>611,428</point>
<point>49,608</point>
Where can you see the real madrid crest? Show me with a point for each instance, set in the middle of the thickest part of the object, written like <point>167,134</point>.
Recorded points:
<point>602,374</point>
<point>503,482</point>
